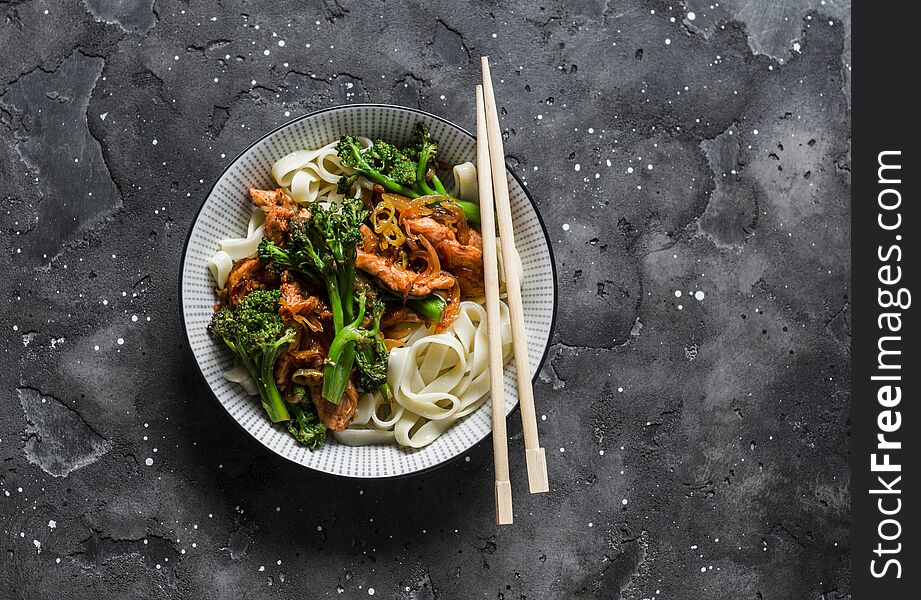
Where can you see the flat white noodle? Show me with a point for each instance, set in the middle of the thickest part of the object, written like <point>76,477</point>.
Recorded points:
<point>466,186</point>
<point>255,220</point>
<point>361,431</point>
<point>233,249</point>
<point>285,167</point>
<point>363,437</point>
<point>243,247</point>
<point>239,374</point>
<point>220,266</point>
<point>305,185</point>
<point>313,175</point>
<point>435,379</point>
<point>328,165</point>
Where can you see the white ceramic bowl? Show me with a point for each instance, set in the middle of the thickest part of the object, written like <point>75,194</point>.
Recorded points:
<point>224,214</point>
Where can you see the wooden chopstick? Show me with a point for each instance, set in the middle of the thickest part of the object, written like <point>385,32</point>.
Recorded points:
<point>493,326</point>
<point>534,454</point>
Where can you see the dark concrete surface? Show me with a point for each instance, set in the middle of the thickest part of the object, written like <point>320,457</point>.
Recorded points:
<point>697,444</point>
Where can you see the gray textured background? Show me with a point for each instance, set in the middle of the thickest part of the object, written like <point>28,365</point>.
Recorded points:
<point>697,448</point>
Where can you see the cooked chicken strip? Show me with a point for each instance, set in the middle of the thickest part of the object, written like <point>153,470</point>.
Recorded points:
<point>399,315</point>
<point>400,281</point>
<point>247,275</point>
<point>278,207</point>
<point>465,261</point>
<point>297,302</point>
<point>335,416</point>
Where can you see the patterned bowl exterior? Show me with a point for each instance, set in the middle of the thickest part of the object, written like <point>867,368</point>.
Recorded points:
<point>225,213</point>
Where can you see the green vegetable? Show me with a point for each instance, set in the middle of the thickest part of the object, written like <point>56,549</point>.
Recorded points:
<point>324,246</point>
<point>255,333</point>
<point>373,356</point>
<point>432,308</point>
<point>306,426</point>
<point>406,171</point>
<point>423,151</point>
<point>344,186</point>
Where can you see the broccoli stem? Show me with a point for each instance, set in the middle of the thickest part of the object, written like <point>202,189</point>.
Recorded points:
<point>439,187</point>
<point>272,400</point>
<point>431,308</point>
<point>341,356</point>
<point>335,303</point>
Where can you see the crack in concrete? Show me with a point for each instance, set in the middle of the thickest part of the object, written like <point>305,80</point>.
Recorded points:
<point>334,10</point>
<point>447,40</point>
<point>208,46</point>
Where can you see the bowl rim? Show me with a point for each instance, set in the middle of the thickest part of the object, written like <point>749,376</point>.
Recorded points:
<point>207,194</point>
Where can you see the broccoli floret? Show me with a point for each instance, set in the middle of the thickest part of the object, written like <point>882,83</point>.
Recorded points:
<point>391,162</point>
<point>370,162</point>
<point>305,425</point>
<point>254,332</point>
<point>423,150</point>
<point>345,183</point>
<point>373,356</point>
<point>405,171</point>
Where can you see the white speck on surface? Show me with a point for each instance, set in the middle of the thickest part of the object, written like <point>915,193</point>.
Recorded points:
<point>677,293</point>
<point>149,462</point>
<point>680,307</point>
<point>38,545</point>
<point>154,142</point>
<point>629,169</point>
<point>120,341</point>
<point>796,47</point>
<point>565,226</point>
<point>370,591</point>
<point>134,318</point>
<point>578,167</point>
<point>624,502</point>
<point>281,43</point>
<point>668,42</point>
<point>266,52</point>
<point>52,524</point>
<point>699,295</point>
<point>691,16</point>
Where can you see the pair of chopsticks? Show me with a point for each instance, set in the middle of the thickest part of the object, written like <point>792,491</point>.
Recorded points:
<point>493,184</point>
